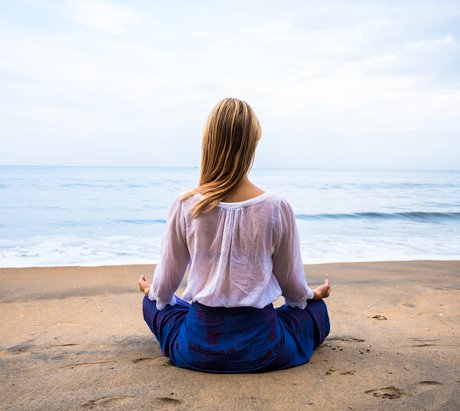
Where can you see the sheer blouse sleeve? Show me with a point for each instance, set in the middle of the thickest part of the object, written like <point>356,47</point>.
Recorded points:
<point>173,261</point>
<point>287,261</point>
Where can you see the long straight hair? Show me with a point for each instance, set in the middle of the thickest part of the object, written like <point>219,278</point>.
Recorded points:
<point>230,138</point>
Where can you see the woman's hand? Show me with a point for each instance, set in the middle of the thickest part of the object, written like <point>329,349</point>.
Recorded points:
<point>322,291</point>
<point>144,285</point>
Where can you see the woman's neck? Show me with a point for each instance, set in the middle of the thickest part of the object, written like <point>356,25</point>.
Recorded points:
<point>245,191</point>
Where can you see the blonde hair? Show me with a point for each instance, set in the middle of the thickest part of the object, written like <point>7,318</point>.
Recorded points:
<point>230,137</point>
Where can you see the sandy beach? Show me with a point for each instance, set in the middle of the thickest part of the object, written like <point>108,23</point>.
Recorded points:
<point>74,338</point>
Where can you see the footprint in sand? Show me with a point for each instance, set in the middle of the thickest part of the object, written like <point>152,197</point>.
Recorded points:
<point>345,339</point>
<point>152,360</point>
<point>23,348</point>
<point>379,317</point>
<point>390,393</point>
<point>341,372</point>
<point>79,364</point>
<point>169,401</point>
<point>63,345</point>
<point>423,345</point>
<point>422,342</point>
<point>108,402</point>
<point>349,372</point>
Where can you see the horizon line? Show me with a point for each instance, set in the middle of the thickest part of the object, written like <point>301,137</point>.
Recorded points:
<point>254,168</point>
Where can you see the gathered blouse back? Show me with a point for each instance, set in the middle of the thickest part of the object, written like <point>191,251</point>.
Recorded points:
<point>240,254</point>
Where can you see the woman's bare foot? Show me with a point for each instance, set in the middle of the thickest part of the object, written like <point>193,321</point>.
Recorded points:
<point>322,291</point>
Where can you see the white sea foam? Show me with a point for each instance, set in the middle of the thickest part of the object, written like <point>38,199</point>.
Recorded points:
<point>43,251</point>
<point>51,216</point>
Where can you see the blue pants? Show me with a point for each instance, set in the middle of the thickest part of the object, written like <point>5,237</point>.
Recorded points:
<point>237,340</point>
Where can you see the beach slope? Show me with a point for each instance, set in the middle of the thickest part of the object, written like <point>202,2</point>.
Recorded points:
<point>74,338</point>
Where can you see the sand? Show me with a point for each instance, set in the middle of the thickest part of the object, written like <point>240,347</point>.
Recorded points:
<point>74,338</point>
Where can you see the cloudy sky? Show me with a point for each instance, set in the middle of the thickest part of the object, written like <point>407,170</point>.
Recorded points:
<point>335,84</point>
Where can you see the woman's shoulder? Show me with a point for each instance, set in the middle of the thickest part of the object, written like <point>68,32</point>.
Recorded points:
<point>186,197</point>
<point>183,200</point>
<point>275,199</point>
<point>267,196</point>
<point>186,201</point>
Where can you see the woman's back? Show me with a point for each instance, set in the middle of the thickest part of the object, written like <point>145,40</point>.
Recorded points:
<point>230,253</point>
<point>239,254</point>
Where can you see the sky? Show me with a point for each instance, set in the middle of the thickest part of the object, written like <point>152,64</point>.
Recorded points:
<point>335,84</point>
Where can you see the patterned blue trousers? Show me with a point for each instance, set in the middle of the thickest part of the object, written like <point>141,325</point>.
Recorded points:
<point>237,340</point>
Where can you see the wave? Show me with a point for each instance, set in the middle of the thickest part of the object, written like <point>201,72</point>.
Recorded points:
<point>107,222</point>
<point>143,221</point>
<point>370,215</point>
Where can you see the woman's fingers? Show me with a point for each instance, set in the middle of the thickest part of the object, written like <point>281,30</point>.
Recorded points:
<point>143,284</point>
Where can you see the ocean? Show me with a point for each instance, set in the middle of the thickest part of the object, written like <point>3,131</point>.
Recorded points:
<point>52,216</point>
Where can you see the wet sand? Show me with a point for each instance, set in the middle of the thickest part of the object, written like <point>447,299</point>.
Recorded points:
<point>74,338</point>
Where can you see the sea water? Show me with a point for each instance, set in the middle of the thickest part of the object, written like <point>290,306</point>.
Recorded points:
<point>117,215</point>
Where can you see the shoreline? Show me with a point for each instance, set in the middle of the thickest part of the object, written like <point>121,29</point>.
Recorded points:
<point>73,337</point>
<point>154,263</point>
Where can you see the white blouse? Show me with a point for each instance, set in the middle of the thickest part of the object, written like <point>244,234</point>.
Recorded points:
<point>239,254</point>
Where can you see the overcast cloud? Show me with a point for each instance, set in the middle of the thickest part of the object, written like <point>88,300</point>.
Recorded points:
<point>346,84</point>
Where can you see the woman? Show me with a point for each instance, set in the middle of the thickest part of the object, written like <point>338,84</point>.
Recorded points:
<point>241,247</point>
